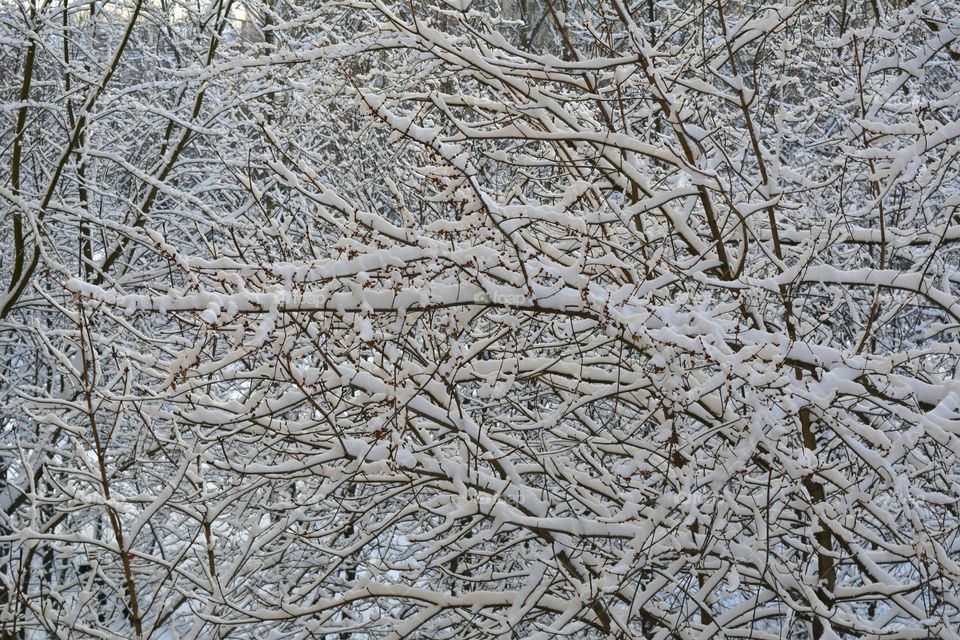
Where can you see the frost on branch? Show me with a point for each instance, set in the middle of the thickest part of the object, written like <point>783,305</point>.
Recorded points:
<point>479,319</point>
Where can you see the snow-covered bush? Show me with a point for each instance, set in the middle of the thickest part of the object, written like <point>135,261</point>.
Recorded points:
<point>447,319</point>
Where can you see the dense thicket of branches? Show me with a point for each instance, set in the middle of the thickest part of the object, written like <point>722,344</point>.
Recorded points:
<point>440,319</point>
